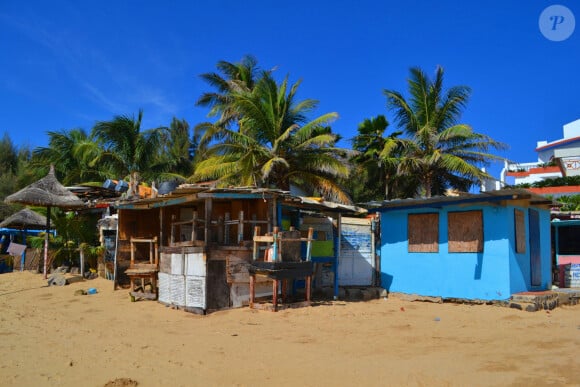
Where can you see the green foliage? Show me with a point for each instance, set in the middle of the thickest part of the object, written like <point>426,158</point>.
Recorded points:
<point>552,182</point>
<point>263,137</point>
<point>73,231</point>
<point>177,149</point>
<point>375,164</point>
<point>14,173</point>
<point>438,150</point>
<point>570,203</point>
<point>8,156</point>
<point>74,155</point>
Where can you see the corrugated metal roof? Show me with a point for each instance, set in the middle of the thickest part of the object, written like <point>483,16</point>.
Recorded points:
<point>489,196</point>
<point>192,192</point>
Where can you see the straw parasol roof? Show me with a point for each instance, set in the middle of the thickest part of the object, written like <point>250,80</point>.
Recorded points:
<point>24,219</point>
<point>46,192</point>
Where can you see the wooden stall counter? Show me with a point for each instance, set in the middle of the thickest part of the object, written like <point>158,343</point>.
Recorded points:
<point>279,271</point>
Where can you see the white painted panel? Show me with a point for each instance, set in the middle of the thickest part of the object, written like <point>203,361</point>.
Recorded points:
<point>164,283</point>
<point>195,289</point>
<point>195,264</point>
<point>178,290</point>
<point>177,265</point>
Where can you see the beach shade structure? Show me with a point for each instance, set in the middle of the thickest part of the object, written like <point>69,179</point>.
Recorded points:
<point>46,192</point>
<point>24,219</point>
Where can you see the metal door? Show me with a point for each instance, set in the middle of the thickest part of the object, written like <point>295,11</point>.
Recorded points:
<point>356,263</point>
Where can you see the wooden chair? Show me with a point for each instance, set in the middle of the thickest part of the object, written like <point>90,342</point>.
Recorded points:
<point>144,271</point>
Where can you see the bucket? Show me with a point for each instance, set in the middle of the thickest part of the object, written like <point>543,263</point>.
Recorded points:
<point>122,186</point>
<point>167,187</point>
<point>109,184</point>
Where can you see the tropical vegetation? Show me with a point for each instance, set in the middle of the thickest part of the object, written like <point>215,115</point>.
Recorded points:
<point>439,151</point>
<point>261,134</point>
<point>265,138</point>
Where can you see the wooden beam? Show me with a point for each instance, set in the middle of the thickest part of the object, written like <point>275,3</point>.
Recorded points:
<point>208,214</point>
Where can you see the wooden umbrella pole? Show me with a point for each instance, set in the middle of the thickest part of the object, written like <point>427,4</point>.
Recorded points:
<point>44,272</point>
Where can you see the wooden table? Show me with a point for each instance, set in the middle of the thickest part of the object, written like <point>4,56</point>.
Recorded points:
<point>280,271</point>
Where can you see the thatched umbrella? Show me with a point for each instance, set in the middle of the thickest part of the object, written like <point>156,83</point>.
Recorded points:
<point>46,192</point>
<point>24,219</point>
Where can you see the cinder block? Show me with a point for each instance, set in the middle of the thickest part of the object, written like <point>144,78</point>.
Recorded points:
<point>354,294</point>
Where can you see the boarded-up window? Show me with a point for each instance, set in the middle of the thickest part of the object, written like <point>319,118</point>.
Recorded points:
<point>520,231</point>
<point>423,232</point>
<point>465,231</point>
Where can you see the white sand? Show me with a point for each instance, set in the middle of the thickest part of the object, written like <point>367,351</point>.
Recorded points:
<point>50,337</point>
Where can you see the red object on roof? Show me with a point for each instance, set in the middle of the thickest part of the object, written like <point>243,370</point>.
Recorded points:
<point>553,190</point>
<point>535,171</point>
<point>557,143</point>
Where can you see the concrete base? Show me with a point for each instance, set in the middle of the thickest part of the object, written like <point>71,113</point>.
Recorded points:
<point>361,293</point>
<point>568,296</point>
<point>534,301</point>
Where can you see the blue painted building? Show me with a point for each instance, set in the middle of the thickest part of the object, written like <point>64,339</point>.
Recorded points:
<point>486,246</point>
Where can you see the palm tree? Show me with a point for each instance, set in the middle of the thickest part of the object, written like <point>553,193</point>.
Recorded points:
<point>439,151</point>
<point>240,77</point>
<point>130,152</point>
<point>378,179</point>
<point>178,149</point>
<point>72,152</point>
<point>274,144</point>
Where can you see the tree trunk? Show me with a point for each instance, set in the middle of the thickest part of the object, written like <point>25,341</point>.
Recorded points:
<point>134,181</point>
<point>427,185</point>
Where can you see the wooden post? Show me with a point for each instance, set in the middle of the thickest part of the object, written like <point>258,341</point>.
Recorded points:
<point>193,227</point>
<point>132,252</point>
<point>208,213</point>
<point>252,289</point>
<point>156,256</point>
<point>256,248</point>
<point>275,295</point>
<point>241,227</point>
<point>151,259</point>
<point>224,229</point>
<point>309,243</point>
<point>274,211</point>
<point>275,245</point>
<point>82,263</point>
<point>172,229</point>
<point>161,210</point>
<point>116,252</point>
<point>44,271</point>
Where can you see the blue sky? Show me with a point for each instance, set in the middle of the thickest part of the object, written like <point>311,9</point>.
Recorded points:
<point>68,64</point>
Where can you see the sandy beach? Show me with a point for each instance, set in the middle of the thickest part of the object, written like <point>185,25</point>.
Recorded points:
<point>51,337</point>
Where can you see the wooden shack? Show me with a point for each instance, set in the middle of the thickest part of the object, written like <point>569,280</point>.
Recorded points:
<point>205,240</point>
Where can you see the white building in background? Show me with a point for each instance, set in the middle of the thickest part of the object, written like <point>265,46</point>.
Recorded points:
<point>555,159</point>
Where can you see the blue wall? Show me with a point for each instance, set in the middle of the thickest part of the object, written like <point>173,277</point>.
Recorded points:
<point>495,273</point>
<point>520,271</point>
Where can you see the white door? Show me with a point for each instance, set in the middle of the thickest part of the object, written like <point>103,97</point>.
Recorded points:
<point>356,263</point>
